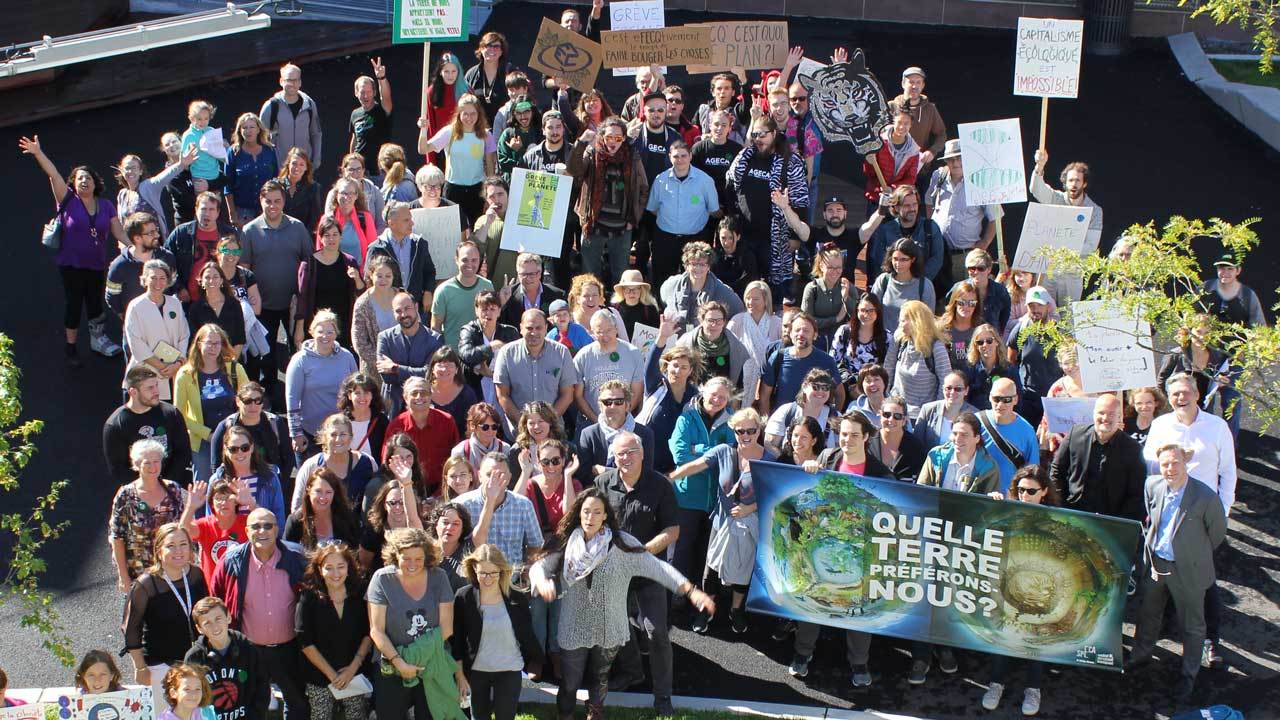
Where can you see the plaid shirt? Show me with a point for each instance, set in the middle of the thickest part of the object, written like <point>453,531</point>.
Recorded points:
<point>514,527</point>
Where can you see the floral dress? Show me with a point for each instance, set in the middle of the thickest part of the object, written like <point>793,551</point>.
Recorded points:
<point>135,521</point>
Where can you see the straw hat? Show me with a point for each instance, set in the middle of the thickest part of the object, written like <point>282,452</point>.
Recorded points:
<point>631,279</point>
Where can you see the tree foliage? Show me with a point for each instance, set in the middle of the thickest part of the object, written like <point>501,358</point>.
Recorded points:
<point>1261,17</point>
<point>1160,282</point>
<point>24,532</point>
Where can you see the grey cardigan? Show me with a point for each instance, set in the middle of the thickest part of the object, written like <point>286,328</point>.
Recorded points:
<point>928,426</point>
<point>594,610</point>
<point>677,293</point>
<point>738,355</point>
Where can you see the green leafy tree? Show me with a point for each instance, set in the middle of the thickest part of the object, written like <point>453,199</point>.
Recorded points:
<point>1261,17</point>
<point>1160,282</point>
<point>25,532</point>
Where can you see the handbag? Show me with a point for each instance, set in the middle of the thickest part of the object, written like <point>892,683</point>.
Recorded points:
<point>51,237</point>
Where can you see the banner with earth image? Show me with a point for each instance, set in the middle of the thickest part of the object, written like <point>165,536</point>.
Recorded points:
<point>960,569</point>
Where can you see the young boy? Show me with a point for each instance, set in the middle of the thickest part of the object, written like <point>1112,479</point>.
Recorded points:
<point>239,692</point>
<point>224,528</point>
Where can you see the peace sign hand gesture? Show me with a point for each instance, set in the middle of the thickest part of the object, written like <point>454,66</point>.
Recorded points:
<point>379,70</point>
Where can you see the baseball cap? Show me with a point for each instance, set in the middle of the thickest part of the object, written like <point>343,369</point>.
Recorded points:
<point>557,306</point>
<point>1036,294</point>
<point>913,70</point>
<point>1227,259</point>
<point>835,199</point>
<point>523,106</point>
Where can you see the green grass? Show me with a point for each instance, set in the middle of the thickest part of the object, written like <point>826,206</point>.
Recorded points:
<point>1246,71</point>
<point>548,712</point>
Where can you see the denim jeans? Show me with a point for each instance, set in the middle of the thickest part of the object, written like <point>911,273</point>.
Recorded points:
<point>546,622</point>
<point>594,245</point>
<point>1231,407</point>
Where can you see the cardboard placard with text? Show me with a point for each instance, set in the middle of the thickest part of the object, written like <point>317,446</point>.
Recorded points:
<point>1046,62</point>
<point>682,45</point>
<point>636,15</point>
<point>558,52</point>
<point>750,44</point>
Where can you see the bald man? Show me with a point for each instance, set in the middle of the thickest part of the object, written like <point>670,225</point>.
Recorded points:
<point>1009,438</point>
<point>1098,468</point>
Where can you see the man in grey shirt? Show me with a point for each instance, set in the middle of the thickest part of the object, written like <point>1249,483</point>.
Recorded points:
<point>608,358</point>
<point>534,369</point>
<point>274,245</point>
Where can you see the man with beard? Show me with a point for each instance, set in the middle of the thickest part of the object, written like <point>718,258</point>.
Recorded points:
<point>897,217</point>
<point>786,367</point>
<point>124,281</point>
<point>533,369</point>
<point>832,231</point>
<point>1037,367</point>
<point>144,415</point>
<point>1075,181</point>
<point>192,244</point>
<point>714,153</point>
<point>404,351</point>
<point>651,141</point>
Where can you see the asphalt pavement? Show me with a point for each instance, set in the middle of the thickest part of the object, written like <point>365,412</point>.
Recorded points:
<point>1156,147</point>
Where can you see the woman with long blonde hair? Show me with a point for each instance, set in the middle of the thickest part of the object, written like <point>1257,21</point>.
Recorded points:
<point>205,389</point>
<point>471,151</point>
<point>251,162</point>
<point>397,183</point>
<point>918,359</point>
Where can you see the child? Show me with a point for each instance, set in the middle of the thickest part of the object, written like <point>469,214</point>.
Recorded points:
<point>234,670</point>
<point>207,166</point>
<point>223,528</point>
<point>188,694</point>
<point>564,330</point>
<point>97,673</point>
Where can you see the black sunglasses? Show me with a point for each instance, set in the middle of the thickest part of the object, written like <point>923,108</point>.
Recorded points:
<point>1023,490</point>
<point>613,402</point>
<point>240,448</point>
<point>1001,399</point>
<point>747,431</point>
<point>487,426</point>
<point>252,400</point>
<point>888,414</point>
<point>553,462</point>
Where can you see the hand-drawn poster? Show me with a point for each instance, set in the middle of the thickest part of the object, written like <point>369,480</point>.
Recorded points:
<point>636,15</point>
<point>991,152</point>
<point>1046,62</point>
<point>30,711</point>
<point>442,230</point>
<point>748,44</point>
<point>558,52</point>
<point>848,103</point>
<point>1050,226</point>
<point>682,45</point>
<point>1113,350</point>
<point>1063,413</point>
<point>537,212</point>
<point>128,704</point>
<point>644,336</point>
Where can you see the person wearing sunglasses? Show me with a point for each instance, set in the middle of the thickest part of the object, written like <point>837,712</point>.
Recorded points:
<point>266,618</point>
<point>268,430</point>
<point>894,444</point>
<point>816,399</point>
<point>703,425</point>
<point>988,361</point>
<point>996,305</point>
<point>1030,485</point>
<point>959,321</point>
<point>731,550</point>
<point>484,435</point>
<point>239,459</point>
<point>933,426</point>
<point>615,400</point>
<point>1009,438</point>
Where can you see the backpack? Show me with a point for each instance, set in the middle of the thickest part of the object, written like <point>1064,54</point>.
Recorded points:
<point>928,357</point>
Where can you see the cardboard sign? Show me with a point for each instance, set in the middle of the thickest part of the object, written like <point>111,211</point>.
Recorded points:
<point>30,711</point>
<point>848,103</point>
<point>750,44</point>
<point>685,45</point>
<point>128,704</point>
<point>1046,62</point>
<point>442,229</point>
<point>992,155</point>
<point>419,21</point>
<point>636,15</point>
<point>537,212</point>
<point>1063,413</point>
<point>558,52</point>
<point>1050,226</point>
<point>1113,350</point>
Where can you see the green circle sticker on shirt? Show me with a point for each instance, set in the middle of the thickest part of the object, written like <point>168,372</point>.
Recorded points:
<point>695,200</point>
<point>172,314</point>
<point>720,361</point>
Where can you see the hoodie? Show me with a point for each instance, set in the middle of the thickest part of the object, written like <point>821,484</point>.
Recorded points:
<point>311,385</point>
<point>238,680</point>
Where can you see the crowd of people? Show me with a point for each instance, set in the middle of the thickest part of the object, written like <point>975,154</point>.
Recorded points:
<point>462,479</point>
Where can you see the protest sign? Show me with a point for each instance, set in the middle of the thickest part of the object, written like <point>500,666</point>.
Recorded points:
<point>536,212</point>
<point>1065,412</point>
<point>1050,226</point>
<point>134,703</point>
<point>442,229</point>
<point>848,103</point>
<point>644,336</point>
<point>1046,62</point>
<point>684,45</point>
<point>749,44</point>
<point>1113,350</point>
<point>30,711</point>
<point>991,152</point>
<point>559,52</point>
<point>636,15</point>
<point>415,21</point>
<point>960,569</point>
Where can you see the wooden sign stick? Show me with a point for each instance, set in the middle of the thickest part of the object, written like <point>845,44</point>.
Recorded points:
<point>426,80</point>
<point>871,159</point>
<point>1004,263</point>
<point>1044,120</point>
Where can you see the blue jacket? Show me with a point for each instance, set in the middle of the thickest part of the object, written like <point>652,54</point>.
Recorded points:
<point>927,235</point>
<point>229,578</point>
<point>268,493</point>
<point>688,442</point>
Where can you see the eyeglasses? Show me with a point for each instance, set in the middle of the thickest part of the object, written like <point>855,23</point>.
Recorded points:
<point>627,452</point>
<point>1024,490</point>
<point>710,320</point>
<point>534,274</point>
<point>262,526</point>
<point>983,342</point>
<point>953,388</point>
<point>967,303</point>
<point>760,133</point>
<point>487,426</point>
<point>820,387</point>
<point>746,431</point>
<point>613,402</point>
<point>240,448</point>
<point>1001,399</point>
<point>488,575</point>
<point>978,268</point>
<point>552,461</point>
<point>252,400</point>
<point>888,415</point>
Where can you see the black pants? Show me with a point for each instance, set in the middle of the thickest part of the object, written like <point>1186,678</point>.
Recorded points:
<point>269,366</point>
<point>665,250</point>
<point>392,700</point>
<point>81,288</point>
<point>469,198</point>
<point>690,555</point>
<point>280,663</point>
<point>578,667</point>
<point>494,694</point>
<point>647,603</point>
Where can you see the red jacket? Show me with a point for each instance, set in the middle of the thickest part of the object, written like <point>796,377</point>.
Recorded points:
<point>435,441</point>
<point>884,158</point>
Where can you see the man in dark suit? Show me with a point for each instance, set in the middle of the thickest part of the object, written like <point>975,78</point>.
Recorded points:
<point>409,253</point>
<point>530,292</point>
<point>1186,524</point>
<point>615,416</point>
<point>1100,469</point>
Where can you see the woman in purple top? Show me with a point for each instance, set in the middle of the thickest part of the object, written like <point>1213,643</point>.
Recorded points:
<point>88,220</point>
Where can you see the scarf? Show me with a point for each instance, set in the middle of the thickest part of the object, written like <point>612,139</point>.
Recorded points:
<point>716,352</point>
<point>629,425</point>
<point>362,222</point>
<point>602,160</point>
<point>581,556</point>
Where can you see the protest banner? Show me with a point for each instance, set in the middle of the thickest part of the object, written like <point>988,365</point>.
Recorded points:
<point>133,703</point>
<point>991,152</point>
<point>1046,62</point>
<point>1113,350</point>
<point>1050,226</point>
<point>683,45</point>
<point>848,103</point>
<point>952,568</point>
<point>636,15</point>
<point>415,21</point>
<point>749,44</point>
<point>644,336</point>
<point>29,711</point>
<point>1064,412</point>
<point>536,212</point>
<point>442,229</point>
<point>559,52</point>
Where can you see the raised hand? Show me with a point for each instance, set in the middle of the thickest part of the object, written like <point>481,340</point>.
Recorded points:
<point>30,145</point>
<point>379,70</point>
<point>840,55</point>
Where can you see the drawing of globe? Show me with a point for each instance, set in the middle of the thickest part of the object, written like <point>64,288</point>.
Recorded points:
<point>821,549</point>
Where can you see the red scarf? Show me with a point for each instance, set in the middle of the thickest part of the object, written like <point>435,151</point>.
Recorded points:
<point>365,229</point>
<point>602,160</point>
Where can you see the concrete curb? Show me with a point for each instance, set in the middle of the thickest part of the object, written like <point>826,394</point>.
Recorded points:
<point>545,694</point>
<point>1257,108</point>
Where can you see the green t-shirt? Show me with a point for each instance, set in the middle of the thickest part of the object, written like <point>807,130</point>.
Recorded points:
<point>456,304</point>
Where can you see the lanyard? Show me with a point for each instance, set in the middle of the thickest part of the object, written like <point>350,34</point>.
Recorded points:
<point>186,607</point>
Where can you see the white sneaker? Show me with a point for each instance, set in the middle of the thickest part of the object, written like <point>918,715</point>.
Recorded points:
<point>1031,702</point>
<point>104,345</point>
<point>991,700</point>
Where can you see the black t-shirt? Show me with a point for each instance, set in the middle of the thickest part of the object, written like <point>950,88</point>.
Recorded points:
<point>295,107</point>
<point>370,129</point>
<point>655,158</point>
<point>758,193</point>
<point>613,206</point>
<point>162,423</point>
<point>647,509</point>
<point>217,397</point>
<point>847,241</point>
<point>715,160</point>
